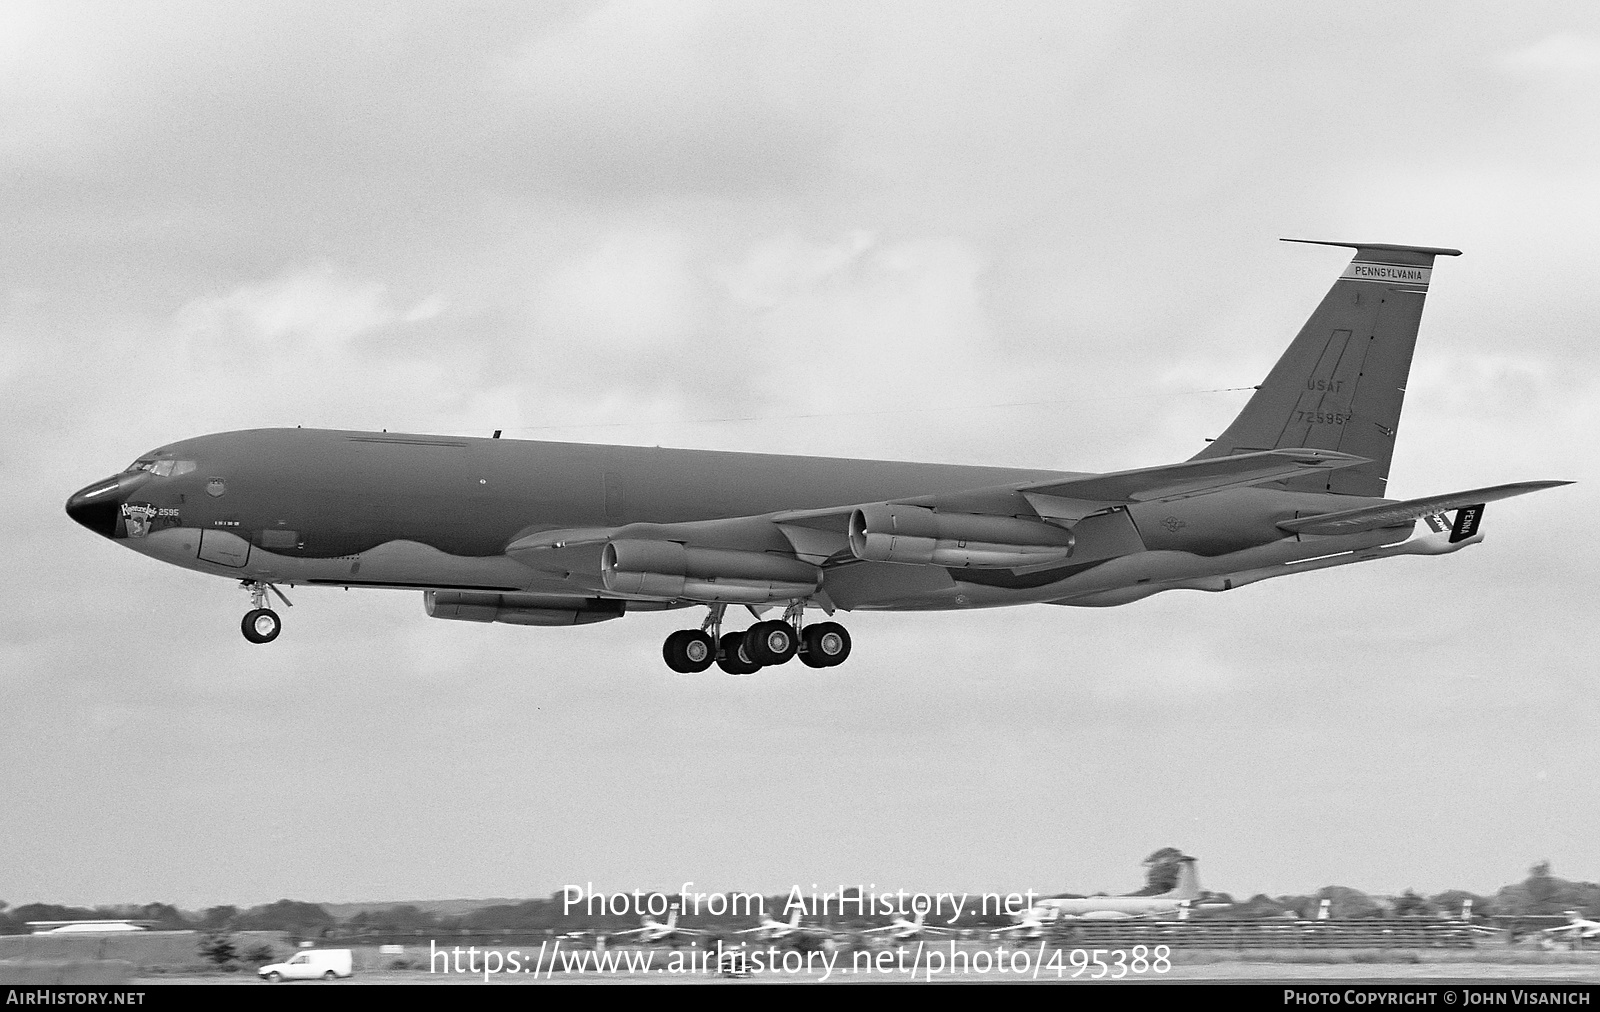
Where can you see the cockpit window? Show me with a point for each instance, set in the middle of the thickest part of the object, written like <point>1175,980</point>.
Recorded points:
<point>162,468</point>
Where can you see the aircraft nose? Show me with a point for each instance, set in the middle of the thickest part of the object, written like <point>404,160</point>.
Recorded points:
<point>95,506</point>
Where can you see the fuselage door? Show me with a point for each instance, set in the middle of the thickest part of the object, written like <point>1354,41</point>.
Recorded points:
<point>223,548</point>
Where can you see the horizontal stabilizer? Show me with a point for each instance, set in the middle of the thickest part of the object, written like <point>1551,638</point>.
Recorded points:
<point>1393,514</point>
<point>1383,247</point>
<point>1196,477</point>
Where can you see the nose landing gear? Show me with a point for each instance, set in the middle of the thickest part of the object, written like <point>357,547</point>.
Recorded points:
<point>261,624</point>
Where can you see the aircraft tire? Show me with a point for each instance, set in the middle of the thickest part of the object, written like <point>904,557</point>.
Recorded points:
<point>826,644</point>
<point>732,658</point>
<point>261,625</point>
<point>699,650</point>
<point>812,661</point>
<point>689,650</point>
<point>672,652</point>
<point>769,643</point>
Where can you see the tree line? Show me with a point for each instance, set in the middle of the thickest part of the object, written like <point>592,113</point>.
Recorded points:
<point>1541,893</point>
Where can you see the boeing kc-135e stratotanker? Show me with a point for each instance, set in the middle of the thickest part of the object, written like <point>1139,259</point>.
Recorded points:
<point>556,534</point>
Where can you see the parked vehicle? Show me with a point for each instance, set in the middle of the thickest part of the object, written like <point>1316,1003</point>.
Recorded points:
<point>310,964</point>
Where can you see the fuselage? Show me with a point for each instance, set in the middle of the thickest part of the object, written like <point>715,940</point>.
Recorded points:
<point>1106,907</point>
<point>344,508</point>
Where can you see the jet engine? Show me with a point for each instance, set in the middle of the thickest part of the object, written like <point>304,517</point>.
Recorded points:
<point>887,532</point>
<point>519,609</point>
<point>669,570</point>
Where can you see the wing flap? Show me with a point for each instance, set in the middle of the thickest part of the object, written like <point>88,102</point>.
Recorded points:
<point>1393,514</point>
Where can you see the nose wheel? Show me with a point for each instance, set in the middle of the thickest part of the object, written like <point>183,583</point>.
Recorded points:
<point>261,624</point>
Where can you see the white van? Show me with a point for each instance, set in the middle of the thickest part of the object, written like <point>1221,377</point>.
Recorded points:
<point>309,964</point>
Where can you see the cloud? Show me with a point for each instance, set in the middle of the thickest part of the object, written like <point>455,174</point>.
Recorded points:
<point>871,226</point>
<point>662,96</point>
<point>1562,60</point>
<point>865,320</point>
<point>629,292</point>
<point>307,317</point>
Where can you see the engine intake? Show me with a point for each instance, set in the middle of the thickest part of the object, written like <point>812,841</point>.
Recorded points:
<point>916,535</point>
<point>519,609</point>
<point>671,571</point>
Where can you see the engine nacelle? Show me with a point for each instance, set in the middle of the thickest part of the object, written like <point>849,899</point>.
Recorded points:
<point>519,609</point>
<point>919,536</point>
<point>671,571</point>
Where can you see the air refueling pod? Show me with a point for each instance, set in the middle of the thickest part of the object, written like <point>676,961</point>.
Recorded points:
<point>889,532</point>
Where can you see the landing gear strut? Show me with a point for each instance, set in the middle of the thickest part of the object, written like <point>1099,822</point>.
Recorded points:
<point>261,624</point>
<point>764,644</point>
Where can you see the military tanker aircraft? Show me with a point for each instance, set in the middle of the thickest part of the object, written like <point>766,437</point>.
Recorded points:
<point>559,534</point>
<point>1175,901</point>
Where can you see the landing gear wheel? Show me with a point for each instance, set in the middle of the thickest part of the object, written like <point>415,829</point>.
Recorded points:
<point>261,625</point>
<point>769,643</point>
<point>825,644</point>
<point>732,657</point>
<point>688,650</point>
<point>699,649</point>
<point>672,652</point>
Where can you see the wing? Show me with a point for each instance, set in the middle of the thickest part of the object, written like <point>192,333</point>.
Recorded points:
<point>1191,478</point>
<point>778,556</point>
<point>1075,497</point>
<point>1392,514</point>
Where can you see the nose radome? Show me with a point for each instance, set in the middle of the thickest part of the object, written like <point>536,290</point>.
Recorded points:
<point>95,506</point>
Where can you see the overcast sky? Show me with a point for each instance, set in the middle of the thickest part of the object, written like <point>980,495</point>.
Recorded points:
<point>1011,234</point>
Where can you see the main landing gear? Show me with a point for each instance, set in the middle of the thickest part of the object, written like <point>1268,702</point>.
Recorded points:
<point>764,644</point>
<point>261,624</point>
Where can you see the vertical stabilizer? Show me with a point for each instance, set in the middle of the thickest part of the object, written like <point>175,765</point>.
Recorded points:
<point>1341,383</point>
<point>1188,884</point>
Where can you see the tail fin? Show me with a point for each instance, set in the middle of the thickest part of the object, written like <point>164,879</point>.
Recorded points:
<point>1340,384</point>
<point>1188,884</point>
<point>794,917</point>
